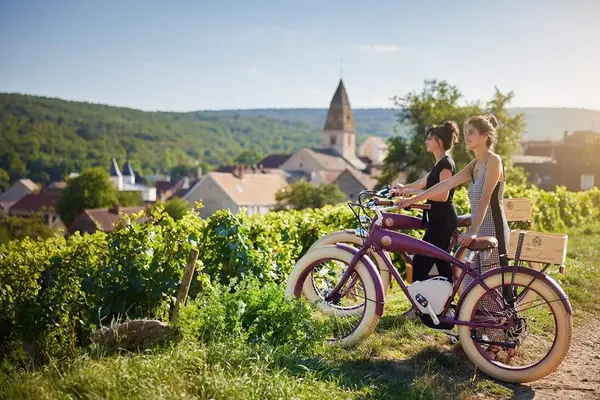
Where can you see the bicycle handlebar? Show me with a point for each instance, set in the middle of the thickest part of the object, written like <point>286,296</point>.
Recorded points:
<point>380,202</point>
<point>419,206</point>
<point>392,206</point>
<point>384,192</point>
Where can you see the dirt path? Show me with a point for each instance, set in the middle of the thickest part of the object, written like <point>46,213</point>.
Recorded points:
<point>578,377</point>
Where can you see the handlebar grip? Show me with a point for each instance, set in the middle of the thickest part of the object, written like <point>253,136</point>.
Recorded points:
<point>385,203</point>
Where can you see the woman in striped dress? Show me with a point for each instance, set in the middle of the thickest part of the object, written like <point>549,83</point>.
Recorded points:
<point>486,190</point>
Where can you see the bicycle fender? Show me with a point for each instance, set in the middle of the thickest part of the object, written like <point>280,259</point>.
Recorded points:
<point>379,293</point>
<point>527,271</point>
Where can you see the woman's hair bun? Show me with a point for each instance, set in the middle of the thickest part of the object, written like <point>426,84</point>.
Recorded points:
<point>493,121</point>
<point>452,128</point>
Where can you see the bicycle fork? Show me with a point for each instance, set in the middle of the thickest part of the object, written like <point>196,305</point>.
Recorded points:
<point>334,293</point>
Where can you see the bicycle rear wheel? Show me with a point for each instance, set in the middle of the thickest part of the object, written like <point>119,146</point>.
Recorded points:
<point>536,335</point>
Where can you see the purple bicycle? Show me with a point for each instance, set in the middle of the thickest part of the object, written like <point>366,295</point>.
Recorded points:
<point>504,330</point>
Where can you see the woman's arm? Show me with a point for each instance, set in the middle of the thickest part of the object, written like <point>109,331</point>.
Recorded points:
<point>445,174</point>
<point>440,188</point>
<point>418,184</point>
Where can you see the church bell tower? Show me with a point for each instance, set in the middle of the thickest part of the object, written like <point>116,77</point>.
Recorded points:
<point>339,132</point>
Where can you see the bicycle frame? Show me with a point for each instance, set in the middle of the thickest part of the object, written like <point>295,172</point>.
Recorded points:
<point>398,222</point>
<point>384,240</point>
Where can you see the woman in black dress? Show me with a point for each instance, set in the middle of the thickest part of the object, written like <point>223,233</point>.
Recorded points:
<point>442,219</point>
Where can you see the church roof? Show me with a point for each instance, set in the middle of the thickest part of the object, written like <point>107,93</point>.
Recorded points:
<point>329,159</point>
<point>273,161</point>
<point>114,168</point>
<point>339,116</point>
<point>365,180</point>
<point>128,170</point>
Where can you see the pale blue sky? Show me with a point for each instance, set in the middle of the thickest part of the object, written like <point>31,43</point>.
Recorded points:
<point>191,55</point>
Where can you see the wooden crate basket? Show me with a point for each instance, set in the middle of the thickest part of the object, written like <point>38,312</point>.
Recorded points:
<point>545,248</point>
<point>518,209</point>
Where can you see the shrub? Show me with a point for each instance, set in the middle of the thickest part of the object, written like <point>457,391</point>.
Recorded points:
<point>253,312</point>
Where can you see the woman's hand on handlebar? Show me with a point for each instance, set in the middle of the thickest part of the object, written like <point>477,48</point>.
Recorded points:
<point>404,203</point>
<point>466,238</point>
<point>404,191</point>
<point>397,189</point>
<point>410,192</point>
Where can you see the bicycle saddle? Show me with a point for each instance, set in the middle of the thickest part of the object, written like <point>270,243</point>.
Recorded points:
<point>483,243</point>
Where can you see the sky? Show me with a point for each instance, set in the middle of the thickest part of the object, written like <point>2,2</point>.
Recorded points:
<point>186,55</point>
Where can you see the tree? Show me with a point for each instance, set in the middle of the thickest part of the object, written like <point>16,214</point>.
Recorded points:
<point>16,228</point>
<point>92,189</point>
<point>436,103</point>
<point>177,207</point>
<point>16,167</point>
<point>302,194</point>
<point>248,157</point>
<point>397,159</point>
<point>509,134</point>
<point>128,199</point>
<point>4,180</point>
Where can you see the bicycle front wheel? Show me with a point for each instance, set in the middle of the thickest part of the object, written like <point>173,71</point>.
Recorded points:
<point>352,315</point>
<point>312,289</point>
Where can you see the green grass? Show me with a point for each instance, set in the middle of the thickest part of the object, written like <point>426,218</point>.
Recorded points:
<point>403,359</point>
<point>582,277</point>
<point>187,371</point>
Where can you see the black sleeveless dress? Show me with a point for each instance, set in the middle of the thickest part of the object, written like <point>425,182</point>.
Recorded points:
<point>442,222</point>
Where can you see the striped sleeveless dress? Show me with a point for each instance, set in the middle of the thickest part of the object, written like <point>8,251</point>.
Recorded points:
<point>494,224</point>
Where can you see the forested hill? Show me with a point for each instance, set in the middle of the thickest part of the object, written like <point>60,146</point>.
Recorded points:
<point>45,139</point>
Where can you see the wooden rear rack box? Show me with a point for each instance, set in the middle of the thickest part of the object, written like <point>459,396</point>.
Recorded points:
<point>546,248</point>
<point>517,209</point>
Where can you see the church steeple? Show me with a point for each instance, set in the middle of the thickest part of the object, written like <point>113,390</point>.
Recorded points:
<point>339,116</point>
<point>339,131</point>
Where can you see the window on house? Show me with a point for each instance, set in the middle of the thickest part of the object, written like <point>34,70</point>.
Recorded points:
<point>332,140</point>
<point>587,182</point>
<point>349,140</point>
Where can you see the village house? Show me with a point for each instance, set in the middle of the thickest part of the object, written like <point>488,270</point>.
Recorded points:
<point>56,187</point>
<point>168,189</point>
<point>252,190</point>
<point>42,203</point>
<point>374,149</point>
<point>352,182</point>
<point>572,162</point>
<point>273,162</point>
<point>16,192</point>
<point>103,219</point>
